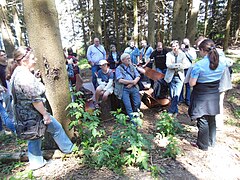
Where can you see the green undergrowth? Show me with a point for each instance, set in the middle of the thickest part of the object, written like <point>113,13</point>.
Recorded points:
<point>125,145</point>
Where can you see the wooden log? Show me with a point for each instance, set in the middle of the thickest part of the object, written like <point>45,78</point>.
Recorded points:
<point>22,156</point>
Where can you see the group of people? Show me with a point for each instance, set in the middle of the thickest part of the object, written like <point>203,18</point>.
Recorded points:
<point>196,85</point>
<point>207,77</point>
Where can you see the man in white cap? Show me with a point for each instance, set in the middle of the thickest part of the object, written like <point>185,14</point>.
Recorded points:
<point>126,87</point>
<point>105,82</point>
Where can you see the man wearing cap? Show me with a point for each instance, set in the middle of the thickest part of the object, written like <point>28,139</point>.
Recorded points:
<point>105,82</point>
<point>126,87</point>
<point>95,53</point>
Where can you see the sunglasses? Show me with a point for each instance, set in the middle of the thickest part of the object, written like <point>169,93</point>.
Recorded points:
<point>28,49</point>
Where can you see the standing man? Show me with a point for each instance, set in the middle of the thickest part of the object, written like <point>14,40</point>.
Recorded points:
<point>95,53</point>
<point>133,51</point>
<point>191,55</point>
<point>176,63</point>
<point>159,57</point>
<point>126,87</point>
<point>145,53</point>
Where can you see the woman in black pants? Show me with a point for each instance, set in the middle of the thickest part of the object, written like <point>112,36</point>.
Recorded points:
<point>204,102</point>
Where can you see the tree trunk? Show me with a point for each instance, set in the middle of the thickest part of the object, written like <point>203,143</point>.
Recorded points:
<point>192,21</point>
<point>89,12</point>
<point>82,11</point>
<point>5,29</point>
<point>135,19</point>
<point>179,20</point>
<point>238,29</point>
<point>125,23</point>
<point>44,35</point>
<point>205,18</point>
<point>162,22</point>
<point>151,22</point>
<point>228,22</point>
<point>105,25</point>
<point>116,24</point>
<point>17,27</point>
<point>97,19</point>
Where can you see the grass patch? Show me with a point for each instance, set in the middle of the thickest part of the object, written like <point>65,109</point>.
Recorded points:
<point>233,122</point>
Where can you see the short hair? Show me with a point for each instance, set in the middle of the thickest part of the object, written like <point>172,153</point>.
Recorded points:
<point>1,50</point>
<point>124,55</point>
<point>174,42</point>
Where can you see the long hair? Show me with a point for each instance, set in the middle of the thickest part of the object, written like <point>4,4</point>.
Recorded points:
<point>18,55</point>
<point>208,46</point>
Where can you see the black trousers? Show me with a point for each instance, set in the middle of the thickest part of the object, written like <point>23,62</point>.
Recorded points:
<point>206,132</point>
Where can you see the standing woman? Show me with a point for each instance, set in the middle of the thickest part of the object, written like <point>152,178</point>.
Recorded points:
<point>204,103</point>
<point>29,103</point>
<point>114,57</point>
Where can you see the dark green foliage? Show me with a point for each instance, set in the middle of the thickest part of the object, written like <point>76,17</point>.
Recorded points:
<point>168,125</point>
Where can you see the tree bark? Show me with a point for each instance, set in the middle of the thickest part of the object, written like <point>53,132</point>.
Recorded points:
<point>179,20</point>
<point>228,22</point>
<point>205,18</point>
<point>238,29</point>
<point>135,19</point>
<point>116,23</point>
<point>97,19</point>
<point>125,23</point>
<point>44,35</point>
<point>192,21</point>
<point>151,22</point>
<point>5,29</point>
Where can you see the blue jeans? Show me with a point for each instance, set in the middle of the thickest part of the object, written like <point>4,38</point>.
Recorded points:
<point>95,69</point>
<point>187,92</point>
<point>131,95</point>
<point>206,132</point>
<point>34,146</point>
<point>175,89</point>
<point>9,123</point>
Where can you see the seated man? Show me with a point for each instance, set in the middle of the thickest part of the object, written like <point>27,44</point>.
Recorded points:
<point>105,82</point>
<point>126,87</point>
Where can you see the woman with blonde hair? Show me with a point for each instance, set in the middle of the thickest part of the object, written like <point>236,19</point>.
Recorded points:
<point>28,98</point>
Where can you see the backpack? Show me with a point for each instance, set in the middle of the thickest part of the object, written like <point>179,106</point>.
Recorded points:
<point>27,128</point>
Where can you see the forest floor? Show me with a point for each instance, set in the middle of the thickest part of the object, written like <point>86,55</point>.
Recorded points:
<point>220,162</point>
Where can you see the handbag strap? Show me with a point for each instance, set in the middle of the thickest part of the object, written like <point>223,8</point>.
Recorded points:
<point>128,72</point>
<point>14,93</point>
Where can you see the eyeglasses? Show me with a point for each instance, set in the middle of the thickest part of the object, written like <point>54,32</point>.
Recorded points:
<point>28,49</point>
<point>3,55</point>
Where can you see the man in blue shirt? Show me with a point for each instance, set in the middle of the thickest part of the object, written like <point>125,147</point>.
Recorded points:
<point>133,51</point>
<point>126,87</point>
<point>95,53</point>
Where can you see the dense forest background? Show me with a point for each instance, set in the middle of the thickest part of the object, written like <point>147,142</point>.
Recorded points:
<point>118,21</point>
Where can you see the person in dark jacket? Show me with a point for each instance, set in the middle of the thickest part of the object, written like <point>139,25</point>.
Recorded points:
<point>114,57</point>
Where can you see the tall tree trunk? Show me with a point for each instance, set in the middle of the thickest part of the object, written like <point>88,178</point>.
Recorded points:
<point>228,22</point>
<point>116,24</point>
<point>192,21</point>
<point>97,19</point>
<point>8,39</point>
<point>44,35</point>
<point>82,10</point>
<point>179,19</point>
<point>105,25</point>
<point>125,29</point>
<point>17,27</point>
<point>237,34</point>
<point>151,22</point>
<point>135,21</point>
<point>90,13</point>
<point>162,21</point>
<point>205,18</point>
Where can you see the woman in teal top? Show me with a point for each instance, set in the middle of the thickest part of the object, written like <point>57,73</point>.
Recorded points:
<point>204,102</point>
